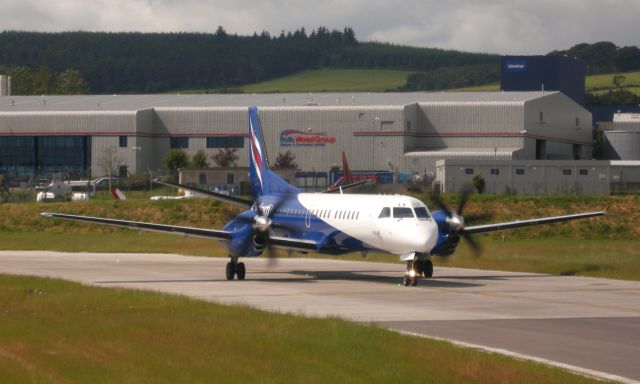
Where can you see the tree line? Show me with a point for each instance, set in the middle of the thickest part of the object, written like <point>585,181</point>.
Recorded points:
<point>43,81</point>
<point>134,62</point>
<point>604,57</point>
<point>156,62</point>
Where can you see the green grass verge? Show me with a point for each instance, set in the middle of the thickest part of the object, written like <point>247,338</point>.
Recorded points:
<point>57,331</point>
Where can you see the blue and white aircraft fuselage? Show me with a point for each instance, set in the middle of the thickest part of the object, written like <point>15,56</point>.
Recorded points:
<point>280,215</point>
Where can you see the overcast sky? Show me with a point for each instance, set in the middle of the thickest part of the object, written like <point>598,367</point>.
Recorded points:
<point>496,26</point>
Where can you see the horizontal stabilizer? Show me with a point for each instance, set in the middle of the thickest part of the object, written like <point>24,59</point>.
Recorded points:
<point>214,195</point>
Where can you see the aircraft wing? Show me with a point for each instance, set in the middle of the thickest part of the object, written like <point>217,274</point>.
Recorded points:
<point>524,223</point>
<point>178,230</point>
<point>214,195</point>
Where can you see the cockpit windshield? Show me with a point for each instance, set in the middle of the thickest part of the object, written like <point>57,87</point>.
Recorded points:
<point>402,213</point>
<point>422,213</point>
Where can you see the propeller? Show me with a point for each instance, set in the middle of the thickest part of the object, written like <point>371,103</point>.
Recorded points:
<point>454,223</point>
<point>262,224</point>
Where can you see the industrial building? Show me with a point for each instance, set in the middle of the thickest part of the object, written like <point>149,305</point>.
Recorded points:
<point>622,138</point>
<point>392,132</point>
<point>528,177</point>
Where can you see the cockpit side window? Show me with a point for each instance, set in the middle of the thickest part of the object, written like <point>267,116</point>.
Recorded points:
<point>386,212</point>
<point>422,213</point>
<point>402,213</point>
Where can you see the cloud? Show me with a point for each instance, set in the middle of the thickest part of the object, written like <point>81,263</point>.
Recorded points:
<point>498,26</point>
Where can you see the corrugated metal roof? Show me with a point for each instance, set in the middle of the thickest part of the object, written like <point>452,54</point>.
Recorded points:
<point>625,163</point>
<point>138,102</point>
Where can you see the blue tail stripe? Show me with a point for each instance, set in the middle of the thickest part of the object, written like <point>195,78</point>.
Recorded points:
<point>262,180</point>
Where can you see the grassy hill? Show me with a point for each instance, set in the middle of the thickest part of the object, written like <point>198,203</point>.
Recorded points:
<point>604,83</point>
<point>380,80</point>
<point>333,80</point>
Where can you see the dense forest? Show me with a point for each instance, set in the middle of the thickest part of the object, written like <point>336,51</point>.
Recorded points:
<point>101,62</point>
<point>156,62</point>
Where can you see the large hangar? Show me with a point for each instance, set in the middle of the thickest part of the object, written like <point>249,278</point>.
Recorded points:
<point>397,132</point>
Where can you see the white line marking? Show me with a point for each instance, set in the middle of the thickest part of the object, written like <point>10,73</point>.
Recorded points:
<point>579,370</point>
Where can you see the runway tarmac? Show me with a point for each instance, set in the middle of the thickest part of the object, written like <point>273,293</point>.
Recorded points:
<point>588,324</point>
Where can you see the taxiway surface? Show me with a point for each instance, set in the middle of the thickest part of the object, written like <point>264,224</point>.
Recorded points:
<point>588,323</point>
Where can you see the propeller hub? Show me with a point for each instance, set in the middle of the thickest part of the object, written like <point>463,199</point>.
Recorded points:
<point>455,222</point>
<point>262,223</point>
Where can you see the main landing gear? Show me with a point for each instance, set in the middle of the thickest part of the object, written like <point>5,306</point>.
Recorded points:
<point>235,269</point>
<point>415,269</point>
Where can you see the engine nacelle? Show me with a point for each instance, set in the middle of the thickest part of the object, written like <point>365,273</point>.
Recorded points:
<point>260,241</point>
<point>448,246</point>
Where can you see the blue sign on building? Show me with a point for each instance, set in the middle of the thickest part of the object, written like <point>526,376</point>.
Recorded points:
<point>515,65</point>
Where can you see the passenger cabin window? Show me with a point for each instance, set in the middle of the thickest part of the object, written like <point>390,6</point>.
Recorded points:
<point>422,213</point>
<point>386,212</point>
<point>402,213</point>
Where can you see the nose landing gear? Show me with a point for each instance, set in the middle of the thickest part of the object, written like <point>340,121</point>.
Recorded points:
<point>417,268</point>
<point>411,275</point>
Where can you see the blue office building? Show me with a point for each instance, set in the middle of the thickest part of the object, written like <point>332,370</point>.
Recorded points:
<point>548,73</point>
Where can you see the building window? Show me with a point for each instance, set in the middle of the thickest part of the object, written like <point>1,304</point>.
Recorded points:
<point>231,178</point>
<point>519,171</point>
<point>566,172</point>
<point>495,171</point>
<point>123,141</point>
<point>541,116</point>
<point>179,142</point>
<point>468,171</point>
<point>577,122</point>
<point>202,178</point>
<point>408,126</point>
<point>225,142</point>
<point>584,172</point>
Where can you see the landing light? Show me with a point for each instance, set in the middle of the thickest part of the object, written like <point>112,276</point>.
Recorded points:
<point>412,273</point>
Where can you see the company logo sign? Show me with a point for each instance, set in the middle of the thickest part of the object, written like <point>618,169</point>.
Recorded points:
<point>516,65</point>
<point>296,138</point>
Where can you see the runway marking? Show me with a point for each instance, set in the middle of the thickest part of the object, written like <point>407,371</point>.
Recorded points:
<point>573,368</point>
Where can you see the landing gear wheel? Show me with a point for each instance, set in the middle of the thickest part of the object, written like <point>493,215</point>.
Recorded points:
<point>230,271</point>
<point>419,267</point>
<point>406,281</point>
<point>414,281</point>
<point>427,267</point>
<point>240,271</point>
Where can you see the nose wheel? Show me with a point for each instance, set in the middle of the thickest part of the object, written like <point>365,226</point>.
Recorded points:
<point>411,275</point>
<point>415,269</point>
<point>235,269</point>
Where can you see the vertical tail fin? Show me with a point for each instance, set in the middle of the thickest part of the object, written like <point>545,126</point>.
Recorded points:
<point>262,179</point>
<point>345,170</point>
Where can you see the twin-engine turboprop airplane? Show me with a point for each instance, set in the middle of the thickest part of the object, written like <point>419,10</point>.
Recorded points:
<point>280,215</point>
